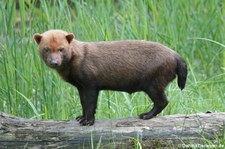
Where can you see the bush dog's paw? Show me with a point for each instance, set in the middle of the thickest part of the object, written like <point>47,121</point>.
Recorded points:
<point>146,116</point>
<point>80,118</point>
<point>86,122</point>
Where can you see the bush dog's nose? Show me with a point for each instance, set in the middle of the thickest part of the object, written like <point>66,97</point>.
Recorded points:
<point>54,63</point>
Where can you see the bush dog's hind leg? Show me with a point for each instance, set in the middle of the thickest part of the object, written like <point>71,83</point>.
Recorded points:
<point>160,102</point>
<point>88,98</point>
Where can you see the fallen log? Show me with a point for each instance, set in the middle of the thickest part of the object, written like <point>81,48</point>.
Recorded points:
<point>164,131</point>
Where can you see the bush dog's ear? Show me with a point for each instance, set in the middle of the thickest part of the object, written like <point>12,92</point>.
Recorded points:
<point>70,37</point>
<point>37,38</point>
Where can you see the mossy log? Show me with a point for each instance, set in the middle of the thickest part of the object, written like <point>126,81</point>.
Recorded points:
<point>165,131</point>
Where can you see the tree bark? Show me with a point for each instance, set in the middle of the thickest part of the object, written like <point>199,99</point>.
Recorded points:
<point>163,131</point>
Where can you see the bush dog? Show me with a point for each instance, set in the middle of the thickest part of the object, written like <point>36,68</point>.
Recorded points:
<point>128,65</point>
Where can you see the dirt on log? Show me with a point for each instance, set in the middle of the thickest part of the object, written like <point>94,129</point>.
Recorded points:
<point>164,131</point>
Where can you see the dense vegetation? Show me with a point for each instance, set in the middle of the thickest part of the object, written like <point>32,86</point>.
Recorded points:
<point>195,29</point>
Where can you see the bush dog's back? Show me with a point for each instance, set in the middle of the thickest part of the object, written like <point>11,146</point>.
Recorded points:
<point>129,65</point>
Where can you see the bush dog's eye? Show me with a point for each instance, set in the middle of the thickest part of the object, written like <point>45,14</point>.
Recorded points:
<point>61,49</point>
<point>46,50</point>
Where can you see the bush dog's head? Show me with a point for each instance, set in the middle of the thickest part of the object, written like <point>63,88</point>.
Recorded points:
<point>54,47</point>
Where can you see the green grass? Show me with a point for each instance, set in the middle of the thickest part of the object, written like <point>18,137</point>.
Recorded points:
<point>195,29</point>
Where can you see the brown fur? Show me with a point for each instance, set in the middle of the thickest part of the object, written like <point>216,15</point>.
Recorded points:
<point>128,65</point>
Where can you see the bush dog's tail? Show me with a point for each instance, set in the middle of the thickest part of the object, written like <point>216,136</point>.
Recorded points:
<point>181,72</point>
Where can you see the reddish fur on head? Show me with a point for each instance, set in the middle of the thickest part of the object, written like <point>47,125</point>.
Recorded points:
<point>54,47</point>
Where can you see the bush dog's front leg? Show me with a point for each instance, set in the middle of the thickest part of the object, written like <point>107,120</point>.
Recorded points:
<point>88,98</point>
<point>81,117</point>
